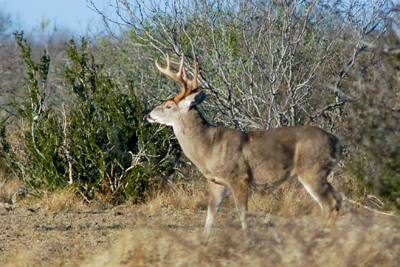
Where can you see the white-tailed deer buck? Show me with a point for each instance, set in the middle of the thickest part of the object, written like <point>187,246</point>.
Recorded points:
<point>234,159</point>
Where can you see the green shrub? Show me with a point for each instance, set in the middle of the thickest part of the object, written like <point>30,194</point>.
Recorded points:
<point>374,130</point>
<point>99,142</point>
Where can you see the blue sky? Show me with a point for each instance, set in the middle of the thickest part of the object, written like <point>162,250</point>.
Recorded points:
<point>72,14</point>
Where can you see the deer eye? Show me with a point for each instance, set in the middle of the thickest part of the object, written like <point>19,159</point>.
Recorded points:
<point>168,106</point>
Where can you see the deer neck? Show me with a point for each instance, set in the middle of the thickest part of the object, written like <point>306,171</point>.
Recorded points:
<point>194,134</point>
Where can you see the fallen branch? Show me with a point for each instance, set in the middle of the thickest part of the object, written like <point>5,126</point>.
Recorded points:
<point>83,195</point>
<point>365,207</point>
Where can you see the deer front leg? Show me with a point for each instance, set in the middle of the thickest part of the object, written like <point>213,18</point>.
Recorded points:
<point>217,195</point>
<point>240,194</point>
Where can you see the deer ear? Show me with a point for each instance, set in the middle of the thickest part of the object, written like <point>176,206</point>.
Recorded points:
<point>192,100</point>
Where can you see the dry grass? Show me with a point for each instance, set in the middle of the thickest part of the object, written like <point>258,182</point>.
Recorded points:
<point>8,187</point>
<point>65,200</point>
<point>61,230</point>
<point>355,242</point>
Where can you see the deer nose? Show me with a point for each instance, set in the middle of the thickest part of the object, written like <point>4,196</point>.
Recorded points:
<point>149,118</point>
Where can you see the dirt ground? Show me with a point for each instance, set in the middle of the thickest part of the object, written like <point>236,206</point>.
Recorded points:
<point>61,230</point>
<point>44,238</point>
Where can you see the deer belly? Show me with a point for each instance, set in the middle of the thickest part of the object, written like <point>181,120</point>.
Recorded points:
<point>271,177</point>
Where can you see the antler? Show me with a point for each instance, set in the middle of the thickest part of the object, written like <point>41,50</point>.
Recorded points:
<point>181,77</point>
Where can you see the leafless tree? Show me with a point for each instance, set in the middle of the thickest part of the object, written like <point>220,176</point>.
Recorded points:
<point>265,63</point>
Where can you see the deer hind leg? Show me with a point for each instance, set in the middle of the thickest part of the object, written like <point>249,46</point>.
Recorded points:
<point>217,195</point>
<point>325,195</point>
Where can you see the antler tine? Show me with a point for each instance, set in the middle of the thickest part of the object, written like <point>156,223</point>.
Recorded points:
<point>178,77</point>
<point>181,77</point>
<point>192,84</point>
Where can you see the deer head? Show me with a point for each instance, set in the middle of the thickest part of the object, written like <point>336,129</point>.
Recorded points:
<point>168,112</point>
